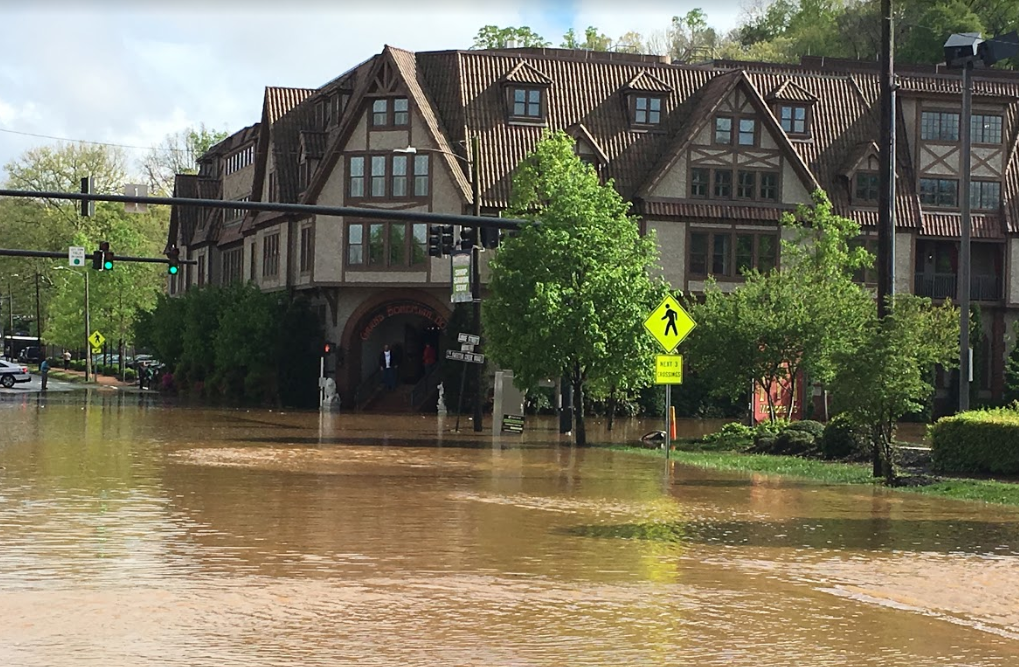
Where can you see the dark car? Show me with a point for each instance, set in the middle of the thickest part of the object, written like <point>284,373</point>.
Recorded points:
<point>31,354</point>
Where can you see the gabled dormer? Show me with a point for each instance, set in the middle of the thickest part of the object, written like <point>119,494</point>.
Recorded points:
<point>793,106</point>
<point>860,170</point>
<point>587,148</point>
<point>389,108</point>
<point>526,92</point>
<point>313,146</point>
<point>645,97</point>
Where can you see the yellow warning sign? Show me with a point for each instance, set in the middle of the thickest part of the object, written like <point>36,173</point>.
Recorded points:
<point>669,369</point>
<point>669,324</point>
<point>96,339</point>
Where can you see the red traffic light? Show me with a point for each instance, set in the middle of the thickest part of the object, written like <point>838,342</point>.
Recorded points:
<point>327,348</point>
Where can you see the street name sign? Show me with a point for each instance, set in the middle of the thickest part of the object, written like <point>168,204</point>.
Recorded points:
<point>470,339</point>
<point>76,256</point>
<point>469,357</point>
<point>669,369</point>
<point>461,279</point>
<point>669,324</point>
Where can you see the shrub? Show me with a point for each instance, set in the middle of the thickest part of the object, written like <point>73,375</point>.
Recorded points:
<point>78,364</point>
<point>814,428</point>
<point>732,436</point>
<point>788,439</point>
<point>978,441</point>
<point>130,375</point>
<point>843,440</point>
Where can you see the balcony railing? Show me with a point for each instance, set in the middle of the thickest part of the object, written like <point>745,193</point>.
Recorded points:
<point>943,285</point>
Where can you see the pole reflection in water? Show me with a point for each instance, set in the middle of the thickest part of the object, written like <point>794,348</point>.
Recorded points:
<point>136,533</point>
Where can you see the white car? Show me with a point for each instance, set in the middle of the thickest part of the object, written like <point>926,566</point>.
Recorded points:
<point>11,373</point>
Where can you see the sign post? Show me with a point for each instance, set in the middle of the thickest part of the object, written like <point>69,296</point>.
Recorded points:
<point>669,324</point>
<point>467,355</point>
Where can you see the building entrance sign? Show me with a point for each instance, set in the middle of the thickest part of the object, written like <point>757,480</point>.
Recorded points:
<point>395,308</point>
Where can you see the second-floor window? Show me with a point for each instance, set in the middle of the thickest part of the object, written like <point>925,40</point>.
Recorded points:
<point>391,176</point>
<point>239,160</point>
<point>718,184</point>
<point>985,195</point>
<point>729,254</point>
<point>387,245</point>
<point>306,250</point>
<point>793,119</point>
<point>271,255</point>
<point>232,260</point>
<point>866,187</point>
<point>985,129</point>
<point>527,103</point>
<point>939,126</point>
<point>747,132</point>
<point>723,130</point>
<point>646,110</point>
<point>390,112</point>
<point>939,192</point>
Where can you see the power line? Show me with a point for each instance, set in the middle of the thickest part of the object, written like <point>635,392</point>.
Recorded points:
<point>86,141</point>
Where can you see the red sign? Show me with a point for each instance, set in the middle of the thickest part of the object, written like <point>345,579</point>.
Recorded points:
<point>780,392</point>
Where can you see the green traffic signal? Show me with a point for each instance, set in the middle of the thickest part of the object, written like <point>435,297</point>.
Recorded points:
<point>172,270</point>
<point>107,265</point>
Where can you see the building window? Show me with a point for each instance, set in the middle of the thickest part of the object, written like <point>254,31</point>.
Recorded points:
<point>201,270</point>
<point>305,255</point>
<point>420,175</point>
<point>793,119</point>
<point>378,176</point>
<point>380,113</point>
<point>699,182</point>
<point>357,176</point>
<point>399,183</point>
<point>939,192</point>
<point>866,186</point>
<point>646,110</point>
<point>271,255</point>
<point>723,184</point>
<point>730,254</point>
<point>865,274</point>
<point>251,262</point>
<point>239,160</point>
<point>939,126</point>
<point>527,103</point>
<point>233,215</point>
<point>769,186</point>
<point>401,115</point>
<point>232,260</point>
<point>723,130</point>
<point>985,129</point>
<point>355,245</point>
<point>272,186</point>
<point>390,244</point>
<point>747,132</point>
<point>985,195</point>
<point>746,185</point>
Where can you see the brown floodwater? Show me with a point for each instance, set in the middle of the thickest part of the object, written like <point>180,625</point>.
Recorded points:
<point>137,533</point>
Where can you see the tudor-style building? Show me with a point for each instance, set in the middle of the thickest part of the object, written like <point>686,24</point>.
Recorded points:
<point>710,155</point>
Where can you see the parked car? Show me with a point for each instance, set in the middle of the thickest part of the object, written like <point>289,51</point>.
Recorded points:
<point>11,373</point>
<point>31,354</point>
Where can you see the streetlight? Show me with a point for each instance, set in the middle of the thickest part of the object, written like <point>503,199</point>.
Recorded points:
<point>88,356</point>
<point>967,50</point>
<point>472,163</point>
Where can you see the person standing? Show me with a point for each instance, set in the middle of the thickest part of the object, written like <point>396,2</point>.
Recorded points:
<point>428,358</point>
<point>44,370</point>
<point>67,360</point>
<point>388,366</point>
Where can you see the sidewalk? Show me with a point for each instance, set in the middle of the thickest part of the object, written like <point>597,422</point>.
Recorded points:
<point>79,376</point>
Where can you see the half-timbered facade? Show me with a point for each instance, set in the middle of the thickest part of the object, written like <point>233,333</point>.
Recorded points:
<point>710,156</point>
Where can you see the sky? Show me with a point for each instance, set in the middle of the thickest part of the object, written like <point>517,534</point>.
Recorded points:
<point>131,72</point>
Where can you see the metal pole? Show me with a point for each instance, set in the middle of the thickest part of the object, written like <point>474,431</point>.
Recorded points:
<point>38,313</point>
<point>668,413</point>
<point>88,347</point>
<point>964,251</point>
<point>886,205</point>
<point>460,399</point>
<point>476,275</point>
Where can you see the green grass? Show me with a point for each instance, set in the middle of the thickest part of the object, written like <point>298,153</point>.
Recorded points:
<point>827,472</point>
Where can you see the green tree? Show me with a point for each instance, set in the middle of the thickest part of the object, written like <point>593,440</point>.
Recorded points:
<point>1012,368</point>
<point>593,40</point>
<point>494,37</point>
<point>886,375</point>
<point>569,293</point>
<point>178,153</point>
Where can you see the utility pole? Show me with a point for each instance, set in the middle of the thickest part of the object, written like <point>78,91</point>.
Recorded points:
<point>476,275</point>
<point>88,346</point>
<point>886,180</point>
<point>965,354</point>
<point>38,315</point>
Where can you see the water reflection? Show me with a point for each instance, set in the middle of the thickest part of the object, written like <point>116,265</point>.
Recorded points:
<point>133,532</point>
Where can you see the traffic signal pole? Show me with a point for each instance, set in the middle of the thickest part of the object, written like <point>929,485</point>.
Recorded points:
<point>476,280</point>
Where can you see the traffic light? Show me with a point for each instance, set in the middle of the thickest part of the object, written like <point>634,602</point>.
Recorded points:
<point>97,260</point>
<point>106,256</point>
<point>446,239</point>
<point>489,237</point>
<point>434,241</point>
<point>328,347</point>
<point>173,257</point>
<point>88,207</point>
<point>468,237</point>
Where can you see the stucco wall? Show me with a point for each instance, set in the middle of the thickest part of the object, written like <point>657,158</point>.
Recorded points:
<point>671,236</point>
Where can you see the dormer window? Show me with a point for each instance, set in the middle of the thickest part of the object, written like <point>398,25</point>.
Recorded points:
<point>866,186</point>
<point>646,110</point>
<point>527,103</point>
<point>793,119</point>
<point>390,112</point>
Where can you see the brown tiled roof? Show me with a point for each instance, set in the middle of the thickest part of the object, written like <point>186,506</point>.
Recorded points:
<point>235,141</point>
<point>646,82</point>
<point>208,218</point>
<point>949,225</point>
<point>526,73</point>
<point>313,144</point>
<point>186,222</point>
<point>705,211</point>
<point>789,91</point>
<point>279,101</point>
<point>581,133</point>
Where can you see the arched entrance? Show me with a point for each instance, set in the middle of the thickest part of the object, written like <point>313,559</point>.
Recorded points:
<point>406,320</point>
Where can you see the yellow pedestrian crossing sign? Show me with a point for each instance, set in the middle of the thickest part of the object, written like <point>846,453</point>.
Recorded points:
<point>669,324</point>
<point>668,369</point>
<point>96,339</point>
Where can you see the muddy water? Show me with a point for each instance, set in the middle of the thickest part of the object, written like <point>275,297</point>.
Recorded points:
<point>134,533</point>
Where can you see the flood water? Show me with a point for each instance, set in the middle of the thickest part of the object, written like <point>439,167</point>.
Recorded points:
<point>136,533</point>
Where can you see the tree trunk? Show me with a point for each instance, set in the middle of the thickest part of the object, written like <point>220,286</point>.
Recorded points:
<point>612,408</point>
<point>792,396</point>
<point>882,441</point>
<point>771,401</point>
<point>578,409</point>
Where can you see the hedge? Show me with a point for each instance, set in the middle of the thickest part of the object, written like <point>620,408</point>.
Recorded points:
<point>978,441</point>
